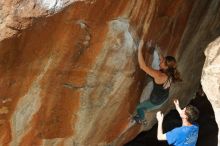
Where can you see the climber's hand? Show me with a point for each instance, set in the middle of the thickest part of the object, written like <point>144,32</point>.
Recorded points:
<point>149,44</point>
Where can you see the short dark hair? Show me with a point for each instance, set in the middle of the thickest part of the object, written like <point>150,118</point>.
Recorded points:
<point>192,113</point>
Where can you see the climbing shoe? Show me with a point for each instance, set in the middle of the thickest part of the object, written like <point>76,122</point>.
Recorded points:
<point>137,119</point>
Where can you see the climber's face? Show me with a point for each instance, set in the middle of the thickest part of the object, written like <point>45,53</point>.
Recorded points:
<point>163,63</point>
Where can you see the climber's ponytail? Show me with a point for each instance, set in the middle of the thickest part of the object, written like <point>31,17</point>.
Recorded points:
<point>172,69</point>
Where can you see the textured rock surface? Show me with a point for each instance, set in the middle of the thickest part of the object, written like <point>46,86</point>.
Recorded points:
<point>71,78</point>
<point>211,77</point>
<point>16,15</point>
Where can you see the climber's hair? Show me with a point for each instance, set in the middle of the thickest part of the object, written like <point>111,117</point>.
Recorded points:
<point>192,113</point>
<point>172,71</point>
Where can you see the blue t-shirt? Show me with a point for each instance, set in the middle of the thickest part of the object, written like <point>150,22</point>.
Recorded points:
<point>183,136</point>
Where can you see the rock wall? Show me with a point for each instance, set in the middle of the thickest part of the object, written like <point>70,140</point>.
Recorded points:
<point>202,30</point>
<point>211,75</point>
<point>69,73</point>
<point>17,15</point>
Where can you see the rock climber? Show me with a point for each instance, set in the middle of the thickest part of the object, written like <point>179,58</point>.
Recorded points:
<point>162,79</point>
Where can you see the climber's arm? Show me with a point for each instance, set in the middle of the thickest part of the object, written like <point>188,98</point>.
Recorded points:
<point>153,73</point>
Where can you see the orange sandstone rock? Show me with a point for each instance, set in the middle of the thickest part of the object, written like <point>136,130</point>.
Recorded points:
<point>70,67</point>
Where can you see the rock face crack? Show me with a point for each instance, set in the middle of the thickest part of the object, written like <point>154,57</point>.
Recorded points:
<point>84,41</point>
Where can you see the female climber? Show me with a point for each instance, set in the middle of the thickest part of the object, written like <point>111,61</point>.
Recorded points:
<point>162,79</point>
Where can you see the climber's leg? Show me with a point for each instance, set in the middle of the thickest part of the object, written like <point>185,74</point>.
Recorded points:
<point>141,108</point>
